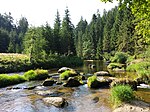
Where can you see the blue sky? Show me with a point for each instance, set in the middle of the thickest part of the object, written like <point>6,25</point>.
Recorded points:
<point>39,12</point>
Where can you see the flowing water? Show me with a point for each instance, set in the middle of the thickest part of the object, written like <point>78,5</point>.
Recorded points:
<point>80,99</point>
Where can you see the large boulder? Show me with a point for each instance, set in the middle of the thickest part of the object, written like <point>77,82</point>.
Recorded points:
<point>68,73</point>
<point>56,101</point>
<point>92,82</point>
<point>99,81</point>
<point>104,82</point>
<point>73,82</point>
<point>63,69</point>
<point>102,73</point>
<point>125,81</point>
<point>48,82</point>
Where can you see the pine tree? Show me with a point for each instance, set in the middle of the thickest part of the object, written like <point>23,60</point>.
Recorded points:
<point>57,28</point>
<point>67,41</point>
<point>126,30</point>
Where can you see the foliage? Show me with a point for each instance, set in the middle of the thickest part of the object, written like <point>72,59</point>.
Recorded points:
<point>142,69</point>
<point>140,9</point>
<point>37,74</point>
<point>67,41</point>
<point>120,94</point>
<point>68,73</point>
<point>7,80</point>
<point>120,57</point>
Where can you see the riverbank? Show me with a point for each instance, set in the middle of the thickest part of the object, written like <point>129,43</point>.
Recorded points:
<point>13,62</point>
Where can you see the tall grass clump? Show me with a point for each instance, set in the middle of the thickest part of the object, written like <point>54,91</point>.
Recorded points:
<point>7,80</point>
<point>38,74</point>
<point>120,94</point>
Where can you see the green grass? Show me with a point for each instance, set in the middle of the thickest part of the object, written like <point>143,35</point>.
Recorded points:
<point>38,74</point>
<point>13,62</point>
<point>7,80</point>
<point>120,94</point>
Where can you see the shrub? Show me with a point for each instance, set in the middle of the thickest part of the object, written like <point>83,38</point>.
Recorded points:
<point>92,82</point>
<point>120,57</point>
<point>68,73</point>
<point>38,74</point>
<point>6,80</point>
<point>120,94</point>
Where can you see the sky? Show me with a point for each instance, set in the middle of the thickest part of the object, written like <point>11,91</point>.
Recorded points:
<point>38,12</point>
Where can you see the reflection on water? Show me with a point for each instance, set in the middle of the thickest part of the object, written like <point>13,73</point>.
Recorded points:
<point>98,66</point>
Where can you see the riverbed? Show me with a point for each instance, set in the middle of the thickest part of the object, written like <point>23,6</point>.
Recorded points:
<point>19,98</point>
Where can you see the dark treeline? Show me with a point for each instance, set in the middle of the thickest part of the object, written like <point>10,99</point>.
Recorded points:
<point>106,34</point>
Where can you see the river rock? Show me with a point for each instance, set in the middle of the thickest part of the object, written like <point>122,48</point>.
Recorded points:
<point>125,81</point>
<point>102,73</point>
<point>63,69</point>
<point>104,82</point>
<point>56,101</point>
<point>48,82</point>
<point>134,106</point>
<point>72,82</point>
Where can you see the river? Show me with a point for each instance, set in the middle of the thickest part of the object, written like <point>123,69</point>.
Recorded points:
<point>80,99</point>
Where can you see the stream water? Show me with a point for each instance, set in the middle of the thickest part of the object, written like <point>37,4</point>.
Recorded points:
<point>80,99</point>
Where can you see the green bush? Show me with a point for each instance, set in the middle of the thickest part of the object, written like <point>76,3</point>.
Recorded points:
<point>68,73</point>
<point>38,74</point>
<point>120,94</point>
<point>120,57</point>
<point>92,82</point>
<point>7,80</point>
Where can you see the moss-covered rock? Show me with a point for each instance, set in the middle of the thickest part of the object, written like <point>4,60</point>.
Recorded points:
<point>92,82</point>
<point>63,69</point>
<point>125,81</point>
<point>69,73</point>
<point>38,74</point>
